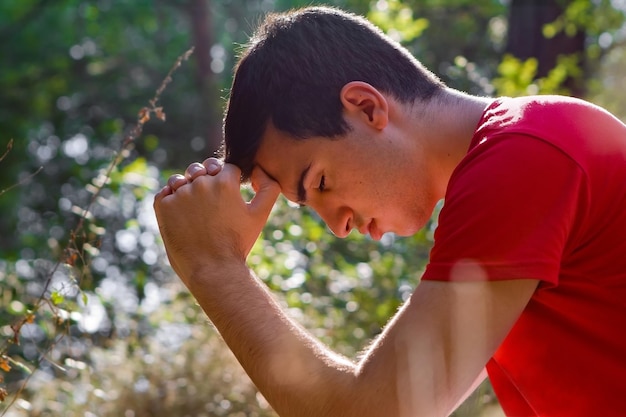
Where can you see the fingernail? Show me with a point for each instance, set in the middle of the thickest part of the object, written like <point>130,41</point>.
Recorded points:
<point>195,167</point>
<point>212,166</point>
<point>173,179</point>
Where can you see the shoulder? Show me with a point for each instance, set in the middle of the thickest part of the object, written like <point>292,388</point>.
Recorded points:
<point>548,117</point>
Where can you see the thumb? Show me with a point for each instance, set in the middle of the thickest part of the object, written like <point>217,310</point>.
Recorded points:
<point>267,191</point>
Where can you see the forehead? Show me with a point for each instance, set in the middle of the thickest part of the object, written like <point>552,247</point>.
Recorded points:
<point>286,159</point>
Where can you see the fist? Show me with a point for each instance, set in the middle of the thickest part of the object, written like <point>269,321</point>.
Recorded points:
<point>204,221</point>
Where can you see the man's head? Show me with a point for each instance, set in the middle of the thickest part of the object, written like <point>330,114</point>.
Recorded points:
<point>294,68</point>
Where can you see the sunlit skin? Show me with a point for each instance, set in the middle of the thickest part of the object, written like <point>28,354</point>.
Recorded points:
<point>350,186</point>
<point>380,177</point>
<point>386,175</point>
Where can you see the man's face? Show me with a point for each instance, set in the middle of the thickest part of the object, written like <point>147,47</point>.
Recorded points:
<point>361,181</point>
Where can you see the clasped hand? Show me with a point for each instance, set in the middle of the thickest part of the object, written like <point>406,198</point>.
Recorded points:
<point>204,220</point>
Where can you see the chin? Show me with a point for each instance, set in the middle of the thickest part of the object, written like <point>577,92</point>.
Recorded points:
<point>406,231</point>
<point>407,224</point>
<point>411,229</point>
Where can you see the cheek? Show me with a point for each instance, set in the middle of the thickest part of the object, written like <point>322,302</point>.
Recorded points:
<point>408,205</point>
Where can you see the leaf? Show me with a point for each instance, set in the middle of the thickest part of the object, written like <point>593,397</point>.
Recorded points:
<point>4,363</point>
<point>20,366</point>
<point>143,115</point>
<point>82,212</point>
<point>56,298</point>
<point>158,112</point>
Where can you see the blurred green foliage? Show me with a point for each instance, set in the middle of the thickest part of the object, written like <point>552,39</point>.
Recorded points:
<point>602,22</point>
<point>345,289</point>
<point>105,328</point>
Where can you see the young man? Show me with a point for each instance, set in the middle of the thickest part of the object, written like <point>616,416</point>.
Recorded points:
<point>527,276</point>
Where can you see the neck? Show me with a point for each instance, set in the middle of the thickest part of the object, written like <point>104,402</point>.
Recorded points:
<point>446,127</point>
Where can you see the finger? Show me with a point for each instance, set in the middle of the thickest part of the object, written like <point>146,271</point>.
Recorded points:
<point>165,191</point>
<point>231,174</point>
<point>176,181</point>
<point>213,165</point>
<point>194,170</point>
<point>267,191</point>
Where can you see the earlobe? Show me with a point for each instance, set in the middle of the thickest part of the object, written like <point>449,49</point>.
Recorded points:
<point>363,100</point>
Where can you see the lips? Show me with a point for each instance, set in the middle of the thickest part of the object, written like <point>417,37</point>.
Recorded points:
<point>371,229</point>
<point>374,231</point>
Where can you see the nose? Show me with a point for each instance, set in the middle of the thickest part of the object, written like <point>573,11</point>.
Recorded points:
<point>339,220</point>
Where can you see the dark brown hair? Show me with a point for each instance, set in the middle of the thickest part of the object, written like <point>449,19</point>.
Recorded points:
<point>294,68</point>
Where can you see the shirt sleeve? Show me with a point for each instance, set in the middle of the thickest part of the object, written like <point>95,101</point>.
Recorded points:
<point>511,207</point>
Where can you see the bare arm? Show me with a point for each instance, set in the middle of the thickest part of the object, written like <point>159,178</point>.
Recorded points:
<point>424,363</point>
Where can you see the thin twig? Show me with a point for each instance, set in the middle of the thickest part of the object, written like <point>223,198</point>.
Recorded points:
<point>20,182</point>
<point>72,247</point>
<point>9,147</point>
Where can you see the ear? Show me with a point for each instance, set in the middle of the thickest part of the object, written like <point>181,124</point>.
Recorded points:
<point>364,101</point>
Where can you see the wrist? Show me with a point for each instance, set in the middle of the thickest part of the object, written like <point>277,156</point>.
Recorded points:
<point>216,274</point>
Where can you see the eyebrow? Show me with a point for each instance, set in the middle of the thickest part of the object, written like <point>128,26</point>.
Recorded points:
<point>300,187</point>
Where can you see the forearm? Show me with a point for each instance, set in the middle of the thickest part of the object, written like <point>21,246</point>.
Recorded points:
<point>297,374</point>
<point>423,363</point>
<point>208,230</point>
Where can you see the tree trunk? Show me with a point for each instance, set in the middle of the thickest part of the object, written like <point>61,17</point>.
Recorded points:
<point>203,39</point>
<point>526,40</point>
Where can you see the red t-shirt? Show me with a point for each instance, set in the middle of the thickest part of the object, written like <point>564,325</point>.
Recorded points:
<point>541,194</point>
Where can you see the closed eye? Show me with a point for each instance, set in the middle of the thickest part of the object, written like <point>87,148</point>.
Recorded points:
<point>322,184</point>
